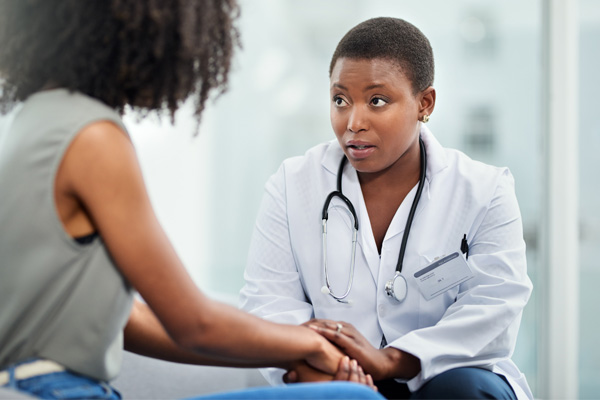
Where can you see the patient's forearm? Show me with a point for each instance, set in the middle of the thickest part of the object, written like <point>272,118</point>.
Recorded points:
<point>145,335</point>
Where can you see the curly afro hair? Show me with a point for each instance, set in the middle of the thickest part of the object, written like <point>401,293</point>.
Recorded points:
<point>148,54</point>
<point>392,39</point>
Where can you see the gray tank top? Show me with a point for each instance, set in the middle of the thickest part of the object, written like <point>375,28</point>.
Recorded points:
<point>59,300</point>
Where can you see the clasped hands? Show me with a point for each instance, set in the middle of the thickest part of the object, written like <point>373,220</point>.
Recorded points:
<point>363,363</point>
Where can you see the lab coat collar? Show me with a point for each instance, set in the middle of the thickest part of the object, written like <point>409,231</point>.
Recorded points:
<point>332,157</point>
<point>436,156</point>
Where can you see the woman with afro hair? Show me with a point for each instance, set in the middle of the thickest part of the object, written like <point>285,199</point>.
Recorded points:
<point>79,234</point>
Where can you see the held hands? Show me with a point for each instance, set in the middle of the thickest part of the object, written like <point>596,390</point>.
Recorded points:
<point>326,365</point>
<point>326,358</point>
<point>379,363</point>
<point>348,370</point>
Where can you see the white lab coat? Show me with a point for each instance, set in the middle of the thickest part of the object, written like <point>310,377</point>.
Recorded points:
<point>473,324</point>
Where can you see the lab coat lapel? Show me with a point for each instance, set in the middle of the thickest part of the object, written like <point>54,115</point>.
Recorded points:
<point>399,221</point>
<point>366,238</point>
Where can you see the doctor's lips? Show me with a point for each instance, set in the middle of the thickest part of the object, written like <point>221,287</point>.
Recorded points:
<point>359,149</point>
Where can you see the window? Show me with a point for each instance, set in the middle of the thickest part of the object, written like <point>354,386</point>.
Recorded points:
<point>589,199</point>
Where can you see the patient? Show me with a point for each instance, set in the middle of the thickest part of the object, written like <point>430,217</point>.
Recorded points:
<point>79,234</point>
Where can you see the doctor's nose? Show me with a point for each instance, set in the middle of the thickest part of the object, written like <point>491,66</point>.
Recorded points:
<point>357,120</point>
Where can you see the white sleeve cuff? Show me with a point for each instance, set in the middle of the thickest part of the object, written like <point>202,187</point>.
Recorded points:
<point>273,375</point>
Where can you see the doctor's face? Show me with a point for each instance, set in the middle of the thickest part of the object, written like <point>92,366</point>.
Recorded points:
<point>375,114</point>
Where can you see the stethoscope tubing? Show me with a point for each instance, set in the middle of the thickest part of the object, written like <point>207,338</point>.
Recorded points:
<point>352,263</point>
<point>413,207</point>
<point>325,215</point>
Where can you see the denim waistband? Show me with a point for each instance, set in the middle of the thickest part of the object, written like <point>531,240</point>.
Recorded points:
<point>29,369</point>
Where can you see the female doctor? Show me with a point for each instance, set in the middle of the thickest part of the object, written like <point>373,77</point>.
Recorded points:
<point>407,255</point>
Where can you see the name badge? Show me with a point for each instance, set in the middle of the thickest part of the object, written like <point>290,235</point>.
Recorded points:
<point>443,275</point>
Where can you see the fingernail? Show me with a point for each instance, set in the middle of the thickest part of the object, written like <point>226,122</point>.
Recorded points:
<point>346,363</point>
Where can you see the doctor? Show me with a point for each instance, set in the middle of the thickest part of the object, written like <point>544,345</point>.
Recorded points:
<point>434,317</point>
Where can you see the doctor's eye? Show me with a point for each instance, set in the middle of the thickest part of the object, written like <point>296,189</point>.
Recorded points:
<point>378,102</point>
<point>339,102</point>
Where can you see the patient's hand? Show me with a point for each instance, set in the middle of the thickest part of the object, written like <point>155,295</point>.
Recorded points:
<point>302,372</point>
<point>348,370</point>
<point>380,363</point>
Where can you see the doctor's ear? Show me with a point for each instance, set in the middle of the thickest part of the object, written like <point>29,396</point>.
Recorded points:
<point>426,102</point>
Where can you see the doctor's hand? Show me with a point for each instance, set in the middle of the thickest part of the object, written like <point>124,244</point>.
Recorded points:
<point>348,370</point>
<point>380,363</point>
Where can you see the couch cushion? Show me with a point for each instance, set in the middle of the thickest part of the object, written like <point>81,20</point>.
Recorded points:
<point>147,378</point>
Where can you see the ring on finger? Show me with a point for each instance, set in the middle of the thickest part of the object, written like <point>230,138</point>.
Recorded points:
<point>338,327</point>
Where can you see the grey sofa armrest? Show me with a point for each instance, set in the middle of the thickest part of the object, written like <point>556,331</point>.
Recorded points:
<point>147,378</point>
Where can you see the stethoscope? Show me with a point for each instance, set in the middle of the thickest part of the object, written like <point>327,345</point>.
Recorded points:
<point>397,286</point>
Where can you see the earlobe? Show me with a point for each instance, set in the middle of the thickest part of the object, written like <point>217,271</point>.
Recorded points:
<point>427,102</point>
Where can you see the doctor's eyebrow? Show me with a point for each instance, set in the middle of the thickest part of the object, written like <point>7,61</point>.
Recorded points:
<point>375,86</point>
<point>370,87</point>
<point>338,86</point>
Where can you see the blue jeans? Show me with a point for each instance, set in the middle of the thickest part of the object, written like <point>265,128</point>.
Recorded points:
<point>66,385</point>
<point>69,385</point>
<point>300,391</point>
<point>62,385</point>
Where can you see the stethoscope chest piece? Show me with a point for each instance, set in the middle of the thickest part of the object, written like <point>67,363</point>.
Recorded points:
<point>397,287</point>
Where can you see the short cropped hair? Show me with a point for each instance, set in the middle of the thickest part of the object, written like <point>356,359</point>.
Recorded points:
<point>148,54</point>
<point>391,39</point>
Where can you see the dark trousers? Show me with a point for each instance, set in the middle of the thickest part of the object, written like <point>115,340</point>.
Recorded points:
<point>459,383</point>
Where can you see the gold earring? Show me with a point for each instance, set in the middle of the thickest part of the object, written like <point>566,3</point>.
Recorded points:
<point>425,118</point>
